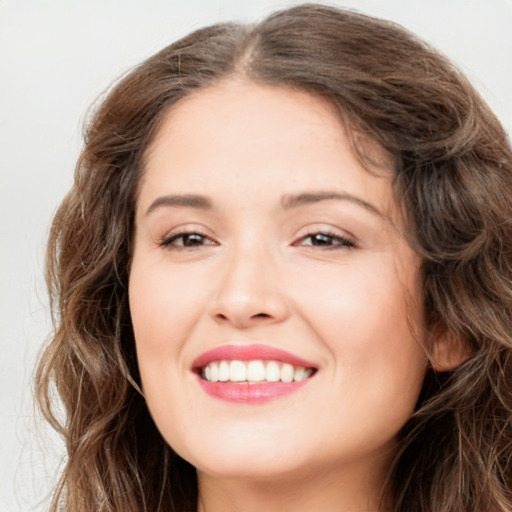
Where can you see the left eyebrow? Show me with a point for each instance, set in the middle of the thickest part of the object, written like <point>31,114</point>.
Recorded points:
<point>187,200</point>
<point>295,201</point>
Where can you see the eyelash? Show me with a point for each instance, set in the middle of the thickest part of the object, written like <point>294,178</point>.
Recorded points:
<point>337,241</point>
<point>168,241</point>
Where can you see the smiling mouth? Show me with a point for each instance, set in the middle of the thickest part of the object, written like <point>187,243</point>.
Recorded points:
<point>253,371</point>
<point>251,374</point>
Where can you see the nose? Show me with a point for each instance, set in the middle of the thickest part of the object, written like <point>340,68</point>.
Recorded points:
<point>250,291</point>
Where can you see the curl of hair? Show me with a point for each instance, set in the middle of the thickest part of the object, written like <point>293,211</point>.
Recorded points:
<point>453,179</point>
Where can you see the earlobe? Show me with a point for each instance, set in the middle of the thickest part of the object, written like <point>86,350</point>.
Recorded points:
<point>448,351</point>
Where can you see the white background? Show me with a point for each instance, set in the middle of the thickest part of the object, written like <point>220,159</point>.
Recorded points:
<point>56,57</point>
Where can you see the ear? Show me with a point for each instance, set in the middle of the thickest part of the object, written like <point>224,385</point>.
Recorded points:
<point>448,350</point>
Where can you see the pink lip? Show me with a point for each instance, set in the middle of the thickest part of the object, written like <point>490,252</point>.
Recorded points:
<point>244,392</point>
<point>248,352</point>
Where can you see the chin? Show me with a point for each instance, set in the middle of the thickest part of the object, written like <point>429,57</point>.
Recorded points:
<point>259,469</point>
<point>251,457</point>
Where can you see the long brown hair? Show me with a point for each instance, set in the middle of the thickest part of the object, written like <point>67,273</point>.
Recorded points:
<point>453,179</point>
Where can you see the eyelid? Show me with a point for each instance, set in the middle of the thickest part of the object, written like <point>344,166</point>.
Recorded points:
<point>165,241</point>
<point>342,238</point>
<point>347,240</point>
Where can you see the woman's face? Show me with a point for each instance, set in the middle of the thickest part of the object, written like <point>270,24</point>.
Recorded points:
<point>273,299</point>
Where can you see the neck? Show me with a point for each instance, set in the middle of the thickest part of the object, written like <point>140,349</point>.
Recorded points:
<point>332,492</point>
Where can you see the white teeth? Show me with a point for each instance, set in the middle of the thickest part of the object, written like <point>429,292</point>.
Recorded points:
<point>254,371</point>
<point>299,374</point>
<point>307,373</point>
<point>273,374</point>
<point>214,372</point>
<point>287,372</point>
<point>237,371</point>
<point>223,371</point>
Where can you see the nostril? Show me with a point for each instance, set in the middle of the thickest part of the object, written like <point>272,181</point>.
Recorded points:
<point>261,315</point>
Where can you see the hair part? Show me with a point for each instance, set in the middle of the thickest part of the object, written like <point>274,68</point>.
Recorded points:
<point>453,180</point>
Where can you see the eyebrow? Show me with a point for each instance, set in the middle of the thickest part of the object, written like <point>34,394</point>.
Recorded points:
<point>288,201</point>
<point>306,198</point>
<point>190,200</point>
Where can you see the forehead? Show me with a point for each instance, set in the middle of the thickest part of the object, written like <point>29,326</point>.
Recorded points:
<point>241,137</point>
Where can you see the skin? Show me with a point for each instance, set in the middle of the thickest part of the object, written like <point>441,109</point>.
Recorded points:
<point>257,274</point>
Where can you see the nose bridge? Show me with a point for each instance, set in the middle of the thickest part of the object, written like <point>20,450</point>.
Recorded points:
<point>249,290</point>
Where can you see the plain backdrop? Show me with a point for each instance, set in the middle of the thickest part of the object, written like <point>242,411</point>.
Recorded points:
<point>56,57</point>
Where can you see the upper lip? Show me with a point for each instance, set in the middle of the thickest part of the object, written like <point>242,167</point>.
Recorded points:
<point>249,352</point>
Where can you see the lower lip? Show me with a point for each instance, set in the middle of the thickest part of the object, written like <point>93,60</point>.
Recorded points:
<point>250,393</point>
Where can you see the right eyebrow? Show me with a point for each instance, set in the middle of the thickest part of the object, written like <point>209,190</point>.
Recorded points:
<point>305,198</point>
<point>190,200</point>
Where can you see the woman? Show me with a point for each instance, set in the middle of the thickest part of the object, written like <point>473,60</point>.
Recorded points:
<point>283,278</point>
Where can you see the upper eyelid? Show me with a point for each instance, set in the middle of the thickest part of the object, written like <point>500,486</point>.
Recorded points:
<point>327,229</point>
<point>305,232</point>
<point>178,234</point>
<point>346,241</point>
<point>165,240</point>
<point>187,229</point>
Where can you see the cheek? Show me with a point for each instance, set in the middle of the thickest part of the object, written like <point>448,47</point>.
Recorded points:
<point>360,303</point>
<point>164,306</point>
<point>164,310</point>
<point>368,318</point>
<point>163,313</point>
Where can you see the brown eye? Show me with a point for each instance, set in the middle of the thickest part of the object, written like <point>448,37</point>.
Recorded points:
<point>186,240</point>
<point>326,240</point>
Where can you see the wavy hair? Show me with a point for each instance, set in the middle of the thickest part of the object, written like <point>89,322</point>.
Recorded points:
<point>453,180</point>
